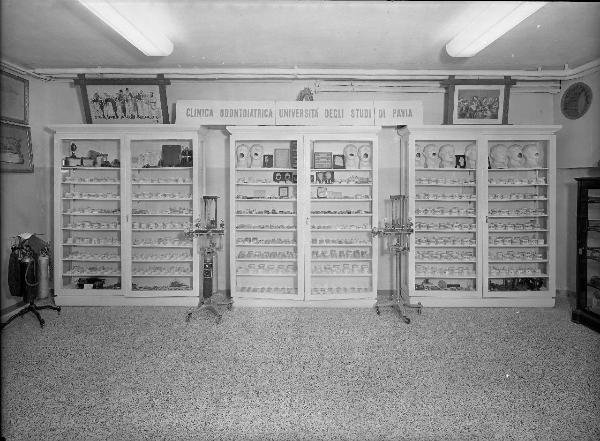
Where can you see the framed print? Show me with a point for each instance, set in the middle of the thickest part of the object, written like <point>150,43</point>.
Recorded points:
<point>283,192</point>
<point>267,161</point>
<point>322,160</point>
<point>282,158</point>
<point>338,161</point>
<point>15,98</point>
<point>460,161</point>
<point>478,104</point>
<point>124,100</point>
<point>15,148</point>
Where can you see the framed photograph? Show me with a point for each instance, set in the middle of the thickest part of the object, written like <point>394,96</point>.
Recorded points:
<point>323,160</point>
<point>15,148</point>
<point>283,192</point>
<point>478,104</point>
<point>267,161</point>
<point>282,158</point>
<point>277,176</point>
<point>460,161</point>
<point>338,161</point>
<point>124,100</point>
<point>15,98</point>
<point>322,192</point>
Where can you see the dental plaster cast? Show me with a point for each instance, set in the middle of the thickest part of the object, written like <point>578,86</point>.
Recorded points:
<point>430,152</point>
<point>446,155</point>
<point>471,156</point>
<point>499,156</point>
<point>515,156</point>
<point>351,156</point>
<point>256,155</point>
<point>419,157</point>
<point>531,156</point>
<point>242,155</point>
<point>364,156</point>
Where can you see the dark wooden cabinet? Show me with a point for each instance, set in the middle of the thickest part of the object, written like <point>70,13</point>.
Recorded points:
<point>587,311</point>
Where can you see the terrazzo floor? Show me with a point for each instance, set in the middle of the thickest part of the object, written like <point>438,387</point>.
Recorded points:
<point>124,373</point>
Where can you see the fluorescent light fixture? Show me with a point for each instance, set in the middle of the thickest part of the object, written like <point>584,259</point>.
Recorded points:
<point>127,21</point>
<point>496,19</point>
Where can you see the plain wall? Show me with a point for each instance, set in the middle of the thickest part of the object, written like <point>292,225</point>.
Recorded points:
<point>578,155</point>
<point>27,198</point>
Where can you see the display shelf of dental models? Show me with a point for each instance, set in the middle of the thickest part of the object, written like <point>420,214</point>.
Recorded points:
<point>483,201</point>
<point>125,195</point>
<point>304,202</point>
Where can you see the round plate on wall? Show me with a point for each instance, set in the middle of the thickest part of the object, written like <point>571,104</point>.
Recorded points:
<point>576,100</point>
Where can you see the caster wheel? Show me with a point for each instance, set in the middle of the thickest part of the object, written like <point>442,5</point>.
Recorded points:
<point>189,316</point>
<point>377,311</point>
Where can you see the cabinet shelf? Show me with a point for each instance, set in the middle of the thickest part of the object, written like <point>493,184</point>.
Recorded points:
<point>95,230</point>
<point>266,274</point>
<point>90,274</point>
<point>446,169</point>
<point>445,185</point>
<point>340,200</point>
<point>445,261</point>
<point>266,245</point>
<point>518,200</point>
<point>426,276</point>
<point>161,168</point>
<point>258,259</point>
<point>446,200</point>
<point>163,214</point>
<point>91,183</point>
<point>72,259</point>
<point>267,199</point>
<point>517,185</point>
<point>265,229</point>
<point>519,246</point>
<point>351,170</point>
<point>89,168</point>
<point>162,275</point>
<point>342,215</point>
<point>500,216</point>
<point>516,169</point>
<point>91,199</point>
<point>447,215</point>
<point>519,276</point>
<point>90,245</point>
<point>161,183</point>
<point>341,275</point>
<point>352,259</point>
<point>267,214</point>
<point>160,260</point>
<point>266,184</point>
<point>445,246</point>
<point>519,261</point>
<point>166,199</point>
<point>161,246</point>
<point>92,214</point>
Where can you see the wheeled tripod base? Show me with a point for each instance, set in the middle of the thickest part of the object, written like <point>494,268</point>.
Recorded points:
<point>209,305</point>
<point>397,305</point>
<point>33,308</point>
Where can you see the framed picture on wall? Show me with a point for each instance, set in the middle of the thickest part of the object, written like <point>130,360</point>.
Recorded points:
<point>15,148</point>
<point>15,98</point>
<point>124,100</point>
<point>478,104</point>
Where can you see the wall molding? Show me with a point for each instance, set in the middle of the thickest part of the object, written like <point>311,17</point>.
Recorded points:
<point>315,74</point>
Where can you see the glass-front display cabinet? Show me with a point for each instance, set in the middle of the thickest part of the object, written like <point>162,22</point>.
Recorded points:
<point>482,200</point>
<point>302,211</point>
<point>124,197</point>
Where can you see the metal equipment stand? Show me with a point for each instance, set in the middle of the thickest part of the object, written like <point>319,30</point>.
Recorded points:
<point>211,236</point>
<point>399,231</point>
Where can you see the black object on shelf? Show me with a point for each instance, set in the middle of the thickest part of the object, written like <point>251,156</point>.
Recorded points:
<point>587,284</point>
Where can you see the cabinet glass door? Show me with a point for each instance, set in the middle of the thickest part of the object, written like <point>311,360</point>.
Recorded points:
<point>162,208</point>
<point>340,262</point>
<point>517,227</point>
<point>446,218</point>
<point>592,252</point>
<point>90,207</point>
<point>266,241</point>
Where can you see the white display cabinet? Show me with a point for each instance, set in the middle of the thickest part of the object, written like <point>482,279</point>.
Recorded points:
<point>121,213</point>
<point>302,214</point>
<point>482,201</point>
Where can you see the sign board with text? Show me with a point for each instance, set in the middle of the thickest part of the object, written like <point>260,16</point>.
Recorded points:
<point>299,113</point>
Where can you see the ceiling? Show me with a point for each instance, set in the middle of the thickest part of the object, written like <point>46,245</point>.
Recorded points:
<point>56,35</point>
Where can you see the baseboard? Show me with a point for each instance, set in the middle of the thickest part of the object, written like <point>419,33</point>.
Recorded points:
<point>6,313</point>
